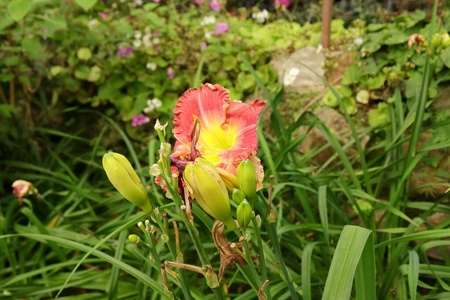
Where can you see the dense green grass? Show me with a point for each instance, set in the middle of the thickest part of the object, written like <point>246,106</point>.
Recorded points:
<point>347,228</point>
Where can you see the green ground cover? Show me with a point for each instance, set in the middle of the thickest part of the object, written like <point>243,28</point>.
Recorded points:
<point>73,76</point>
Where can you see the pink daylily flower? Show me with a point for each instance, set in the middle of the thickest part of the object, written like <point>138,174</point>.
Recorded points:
<point>208,125</point>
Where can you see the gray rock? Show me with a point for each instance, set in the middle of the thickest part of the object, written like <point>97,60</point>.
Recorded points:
<point>305,80</point>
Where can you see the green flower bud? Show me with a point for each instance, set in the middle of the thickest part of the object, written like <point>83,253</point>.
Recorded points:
<point>133,238</point>
<point>246,175</point>
<point>125,180</point>
<point>365,207</point>
<point>445,40</point>
<point>208,188</point>
<point>244,214</point>
<point>436,40</point>
<point>237,196</point>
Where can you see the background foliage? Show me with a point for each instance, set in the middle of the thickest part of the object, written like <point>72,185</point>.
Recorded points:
<point>68,97</point>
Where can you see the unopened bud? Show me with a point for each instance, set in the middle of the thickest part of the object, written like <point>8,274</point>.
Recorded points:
<point>237,196</point>
<point>445,40</point>
<point>258,221</point>
<point>208,188</point>
<point>165,238</point>
<point>155,170</point>
<point>133,238</point>
<point>165,149</point>
<point>365,207</point>
<point>436,40</point>
<point>246,176</point>
<point>141,226</point>
<point>147,223</point>
<point>125,180</point>
<point>244,214</point>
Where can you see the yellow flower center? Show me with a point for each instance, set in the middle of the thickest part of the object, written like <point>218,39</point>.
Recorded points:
<point>215,138</point>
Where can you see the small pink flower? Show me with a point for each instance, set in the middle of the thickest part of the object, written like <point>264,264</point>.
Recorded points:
<point>284,3</point>
<point>215,5</point>
<point>22,188</point>
<point>156,1</point>
<point>156,32</point>
<point>139,120</point>
<point>221,27</point>
<point>203,46</point>
<point>139,2</point>
<point>124,51</point>
<point>102,15</point>
<point>199,1</point>
<point>170,73</point>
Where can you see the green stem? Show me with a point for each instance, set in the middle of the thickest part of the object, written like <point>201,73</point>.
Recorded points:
<point>262,258</point>
<point>271,230</point>
<point>193,233</point>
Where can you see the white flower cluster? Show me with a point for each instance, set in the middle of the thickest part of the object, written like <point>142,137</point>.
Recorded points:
<point>260,17</point>
<point>208,20</point>
<point>151,65</point>
<point>145,39</point>
<point>92,23</point>
<point>358,41</point>
<point>290,76</point>
<point>152,104</point>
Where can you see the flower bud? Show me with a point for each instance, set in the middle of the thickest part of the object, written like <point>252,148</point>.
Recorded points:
<point>365,207</point>
<point>133,238</point>
<point>165,149</point>
<point>445,40</point>
<point>237,196</point>
<point>229,179</point>
<point>244,214</point>
<point>436,40</point>
<point>155,170</point>
<point>125,180</point>
<point>208,188</point>
<point>246,176</point>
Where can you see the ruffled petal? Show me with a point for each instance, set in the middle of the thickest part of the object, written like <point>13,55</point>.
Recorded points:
<point>227,129</point>
<point>206,103</point>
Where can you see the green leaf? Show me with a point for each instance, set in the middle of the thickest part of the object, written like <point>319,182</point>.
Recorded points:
<point>86,4</point>
<point>445,56</point>
<point>350,75</point>
<point>19,8</point>
<point>354,250</point>
<point>413,274</point>
<point>54,24</point>
<point>11,61</point>
<point>31,45</point>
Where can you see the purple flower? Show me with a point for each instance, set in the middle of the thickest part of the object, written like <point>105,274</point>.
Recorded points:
<point>139,120</point>
<point>102,15</point>
<point>199,1</point>
<point>215,5</point>
<point>221,27</point>
<point>170,72</point>
<point>284,3</point>
<point>124,51</point>
<point>203,46</point>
